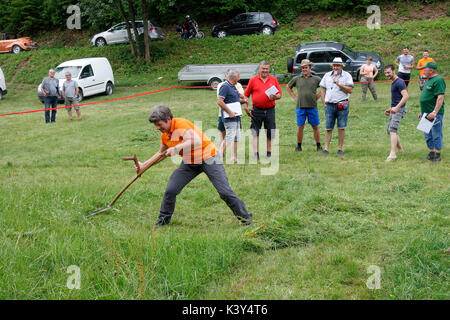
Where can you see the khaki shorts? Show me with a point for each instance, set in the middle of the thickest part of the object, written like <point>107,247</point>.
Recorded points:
<point>70,102</point>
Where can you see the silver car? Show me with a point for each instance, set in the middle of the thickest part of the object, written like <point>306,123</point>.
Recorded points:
<point>118,34</point>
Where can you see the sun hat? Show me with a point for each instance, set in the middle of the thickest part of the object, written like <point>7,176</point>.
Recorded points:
<point>338,60</point>
<point>305,62</point>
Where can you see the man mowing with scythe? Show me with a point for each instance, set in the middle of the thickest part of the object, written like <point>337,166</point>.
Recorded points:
<point>181,136</point>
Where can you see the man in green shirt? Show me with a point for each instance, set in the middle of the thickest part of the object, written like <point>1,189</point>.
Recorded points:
<point>432,103</point>
<point>306,99</point>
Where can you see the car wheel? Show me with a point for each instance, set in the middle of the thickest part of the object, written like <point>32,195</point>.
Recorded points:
<point>109,89</point>
<point>16,49</point>
<point>100,42</point>
<point>214,82</point>
<point>221,34</point>
<point>80,96</point>
<point>290,65</point>
<point>267,30</point>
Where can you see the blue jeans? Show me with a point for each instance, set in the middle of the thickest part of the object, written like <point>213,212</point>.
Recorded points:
<point>50,102</point>
<point>434,138</point>
<point>332,114</point>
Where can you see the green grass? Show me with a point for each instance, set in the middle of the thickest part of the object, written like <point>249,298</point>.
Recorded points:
<point>321,221</point>
<point>169,56</point>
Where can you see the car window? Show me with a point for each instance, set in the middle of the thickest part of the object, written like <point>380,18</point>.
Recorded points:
<point>121,26</point>
<point>300,57</point>
<point>240,18</point>
<point>87,72</point>
<point>338,54</point>
<point>139,24</point>
<point>349,51</point>
<point>60,73</point>
<point>319,56</point>
<point>252,18</point>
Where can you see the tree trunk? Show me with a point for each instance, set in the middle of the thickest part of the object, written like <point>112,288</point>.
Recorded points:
<point>146,38</point>
<point>125,18</point>
<point>133,22</point>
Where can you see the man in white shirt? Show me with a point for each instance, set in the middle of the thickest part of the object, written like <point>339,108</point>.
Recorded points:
<point>405,63</point>
<point>337,85</point>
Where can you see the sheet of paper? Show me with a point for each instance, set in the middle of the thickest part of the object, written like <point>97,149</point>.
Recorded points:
<point>271,90</point>
<point>424,124</point>
<point>235,107</point>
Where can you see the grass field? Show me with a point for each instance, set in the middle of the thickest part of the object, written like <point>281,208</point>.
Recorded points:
<point>320,221</point>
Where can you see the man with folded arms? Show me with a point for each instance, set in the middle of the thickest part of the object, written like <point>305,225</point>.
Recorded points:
<point>337,85</point>
<point>306,99</point>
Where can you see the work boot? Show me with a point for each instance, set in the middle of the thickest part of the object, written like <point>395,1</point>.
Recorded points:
<point>247,221</point>
<point>161,222</point>
<point>430,156</point>
<point>437,157</point>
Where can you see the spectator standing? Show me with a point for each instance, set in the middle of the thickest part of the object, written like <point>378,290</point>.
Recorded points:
<point>337,85</point>
<point>263,111</point>
<point>399,96</point>
<point>50,89</point>
<point>432,103</point>
<point>420,64</point>
<point>306,99</point>
<point>70,93</point>
<point>405,63</point>
<point>368,73</point>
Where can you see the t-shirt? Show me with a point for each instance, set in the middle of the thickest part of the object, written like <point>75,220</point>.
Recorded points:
<point>334,94</point>
<point>397,87</point>
<point>238,87</point>
<point>50,86</point>
<point>70,88</point>
<point>306,90</point>
<point>432,88</point>
<point>257,89</point>
<point>423,62</point>
<point>405,61</point>
<point>175,137</point>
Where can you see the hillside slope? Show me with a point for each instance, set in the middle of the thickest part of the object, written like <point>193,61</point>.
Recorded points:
<point>171,55</point>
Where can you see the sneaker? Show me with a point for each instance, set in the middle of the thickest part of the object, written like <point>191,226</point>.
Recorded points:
<point>248,221</point>
<point>430,156</point>
<point>325,152</point>
<point>340,153</point>
<point>437,157</point>
<point>298,149</point>
<point>319,148</point>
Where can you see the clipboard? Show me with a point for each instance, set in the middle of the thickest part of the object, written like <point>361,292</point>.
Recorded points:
<point>235,107</point>
<point>425,125</point>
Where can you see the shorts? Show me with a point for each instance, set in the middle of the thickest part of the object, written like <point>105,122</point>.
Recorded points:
<point>332,114</point>
<point>422,82</point>
<point>232,129</point>
<point>220,125</point>
<point>394,120</point>
<point>405,76</point>
<point>260,116</point>
<point>311,113</point>
<point>68,101</point>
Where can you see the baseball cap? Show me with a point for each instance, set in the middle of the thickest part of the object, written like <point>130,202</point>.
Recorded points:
<point>431,65</point>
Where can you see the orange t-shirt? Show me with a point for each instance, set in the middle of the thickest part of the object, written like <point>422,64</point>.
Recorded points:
<point>423,62</point>
<point>175,136</point>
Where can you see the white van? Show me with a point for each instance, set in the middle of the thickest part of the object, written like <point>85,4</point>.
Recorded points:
<point>94,75</point>
<point>3,90</point>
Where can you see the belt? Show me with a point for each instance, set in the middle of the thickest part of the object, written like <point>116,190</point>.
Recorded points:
<point>337,102</point>
<point>263,108</point>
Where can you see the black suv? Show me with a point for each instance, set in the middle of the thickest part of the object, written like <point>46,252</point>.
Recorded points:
<point>247,23</point>
<point>321,54</point>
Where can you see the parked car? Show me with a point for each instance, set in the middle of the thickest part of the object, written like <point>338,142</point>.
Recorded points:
<point>321,54</point>
<point>94,75</point>
<point>3,90</point>
<point>118,34</point>
<point>16,45</point>
<point>213,74</point>
<point>247,23</point>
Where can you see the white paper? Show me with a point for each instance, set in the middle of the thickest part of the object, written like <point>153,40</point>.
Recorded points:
<point>425,125</point>
<point>271,90</point>
<point>235,107</point>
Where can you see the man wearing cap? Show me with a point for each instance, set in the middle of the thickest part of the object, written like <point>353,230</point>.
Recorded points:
<point>306,99</point>
<point>405,63</point>
<point>337,85</point>
<point>432,103</point>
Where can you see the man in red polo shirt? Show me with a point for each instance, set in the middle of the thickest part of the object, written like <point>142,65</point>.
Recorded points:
<point>264,90</point>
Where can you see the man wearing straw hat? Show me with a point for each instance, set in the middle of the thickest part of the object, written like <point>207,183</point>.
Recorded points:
<point>306,99</point>
<point>337,85</point>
